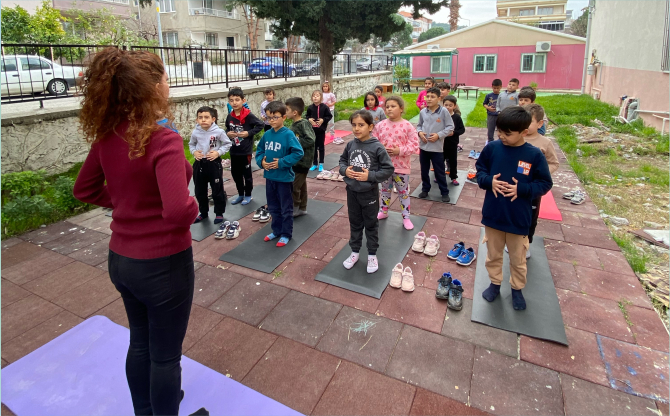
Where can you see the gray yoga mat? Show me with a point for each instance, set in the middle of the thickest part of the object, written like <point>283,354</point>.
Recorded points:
<point>329,162</point>
<point>257,254</point>
<point>542,318</point>
<point>206,227</point>
<point>434,193</point>
<point>394,243</point>
<point>254,165</point>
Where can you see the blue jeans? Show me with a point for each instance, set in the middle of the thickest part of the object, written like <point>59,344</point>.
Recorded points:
<point>280,205</point>
<point>157,294</point>
<point>437,159</point>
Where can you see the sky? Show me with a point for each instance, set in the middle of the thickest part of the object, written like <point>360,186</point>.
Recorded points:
<point>478,11</point>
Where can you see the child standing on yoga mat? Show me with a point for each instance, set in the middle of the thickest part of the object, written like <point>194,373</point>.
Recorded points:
<point>318,114</point>
<point>450,147</point>
<point>364,164</point>
<point>372,106</point>
<point>277,152</point>
<point>305,134</point>
<point>399,138</point>
<point>513,173</point>
<point>330,99</point>
<point>269,97</point>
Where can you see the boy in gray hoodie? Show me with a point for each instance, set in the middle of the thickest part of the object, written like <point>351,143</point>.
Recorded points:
<point>364,164</point>
<point>208,143</point>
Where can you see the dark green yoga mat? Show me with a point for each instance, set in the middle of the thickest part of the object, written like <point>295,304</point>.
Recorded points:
<point>434,193</point>
<point>329,162</point>
<point>394,243</point>
<point>542,318</point>
<point>206,227</point>
<point>257,254</point>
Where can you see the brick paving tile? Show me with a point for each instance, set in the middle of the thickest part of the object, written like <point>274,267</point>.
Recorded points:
<point>586,208</point>
<point>361,337</point>
<point>250,300</point>
<point>589,237</point>
<point>77,219</point>
<point>422,266</point>
<point>200,323</point>
<point>470,191</point>
<point>101,224</point>
<point>89,297</point>
<point>40,265</point>
<point>298,273</point>
<point>572,253</point>
<point>476,218</point>
<point>12,293</point>
<point>94,254</point>
<point>116,313</point>
<point>254,274</point>
<point>199,246</point>
<point>317,246</point>
<point>210,254</point>
<point>594,222</point>
<point>339,245</point>
<point>461,232</point>
<point>612,286</point>
<point>24,315</point>
<point>3,363</point>
<point>469,202</point>
<point>634,369</point>
<point>648,329</point>
<point>592,314</point>
<point>581,358</point>
<point>564,276</point>
<point>357,391</point>
<point>458,325</point>
<point>62,280</point>
<point>585,399</point>
<point>231,348</point>
<point>18,253</point>
<point>506,386</point>
<point>337,226</point>
<point>570,218</point>
<point>436,363</point>
<point>103,266</point>
<point>6,411</point>
<point>10,242</point>
<point>419,308</point>
<point>211,283</point>
<point>337,193</point>
<point>34,338</point>
<point>50,232</point>
<point>301,317</point>
<point>549,229</point>
<point>427,403</point>
<point>450,212</point>
<point>465,274</point>
<point>352,299</point>
<point>293,374</point>
<point>663,407</point>
<point>417,206</point>
<point>75,241</point>
<point>614,261</point>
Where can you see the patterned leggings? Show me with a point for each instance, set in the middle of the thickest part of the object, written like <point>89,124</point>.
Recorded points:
<point>401,182</point>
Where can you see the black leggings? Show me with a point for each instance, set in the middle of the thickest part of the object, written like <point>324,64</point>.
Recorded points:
<point>209,172</point>
<point>535,215</point>
<point>450,150</point>
<point>240,168</point>
<point>319,146</point>
<point>157,294</point>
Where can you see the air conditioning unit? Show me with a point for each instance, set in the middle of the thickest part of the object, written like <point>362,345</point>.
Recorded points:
<point>433,46</point>
<point>544,46</point>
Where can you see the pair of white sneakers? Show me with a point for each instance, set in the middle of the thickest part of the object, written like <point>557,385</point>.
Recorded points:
<point>373,263</point>
<point>402,279</point>
<point>428,246</point>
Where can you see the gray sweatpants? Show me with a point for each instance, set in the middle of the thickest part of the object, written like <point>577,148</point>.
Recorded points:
<point>491,126</point>
<point>363,208</point>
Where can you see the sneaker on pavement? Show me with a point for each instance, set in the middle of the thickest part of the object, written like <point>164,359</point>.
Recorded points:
<point>257,214</point>
<point>407,280</point>
<point>320,167</point>
<point>265,215</point>
<point>423,195</point>
<point>373,264</point>
<point>396,276</point>
<point>445,198</point>
<point>221,232</point>
<point>477,155</point>
<point>443,284</point>
<point>432,246</point>
<point>282,242</point>
<point>455,182</point>
<point>467,257</point>
<point>313,167</point>
<point>456,251</point>
<point>247,199</point>
<point>419,242</point>
<point>237,200</point>
<point>455,300</point>
<point>407,223</point>
<point>351,260</point>
<point>233,230</point>
<point>382,215</point>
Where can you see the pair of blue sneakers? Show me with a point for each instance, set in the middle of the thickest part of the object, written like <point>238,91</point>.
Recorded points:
<point>463,256</point>
<point>451,290</point>
<point>474,155</point>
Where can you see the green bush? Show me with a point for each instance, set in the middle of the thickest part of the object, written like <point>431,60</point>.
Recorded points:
<point>64,199</point>
<point>26,183</point>
<point>24,213</point>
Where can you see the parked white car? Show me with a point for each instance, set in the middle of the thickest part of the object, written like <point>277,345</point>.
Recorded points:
<point>27,75</point>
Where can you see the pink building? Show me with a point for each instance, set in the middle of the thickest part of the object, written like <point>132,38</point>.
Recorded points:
<point>505,50</point>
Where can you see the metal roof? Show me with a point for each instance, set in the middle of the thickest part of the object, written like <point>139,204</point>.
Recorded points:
<point>425,52</point>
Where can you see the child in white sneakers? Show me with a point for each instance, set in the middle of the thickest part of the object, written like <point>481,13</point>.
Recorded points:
<point>401,141</point>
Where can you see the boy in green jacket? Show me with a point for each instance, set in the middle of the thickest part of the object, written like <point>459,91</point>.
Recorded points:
<point>305,133</point>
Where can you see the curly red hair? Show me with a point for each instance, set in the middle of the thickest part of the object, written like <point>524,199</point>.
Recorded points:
<point>121,86</point>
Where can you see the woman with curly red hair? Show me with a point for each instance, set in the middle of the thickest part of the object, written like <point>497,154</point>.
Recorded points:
<point>138,168</point>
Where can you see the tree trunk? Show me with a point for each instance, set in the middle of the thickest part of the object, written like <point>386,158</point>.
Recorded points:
<point>292,43</point>
<point>255,34</point>
<point>325,50</point>
<point>454,15</point>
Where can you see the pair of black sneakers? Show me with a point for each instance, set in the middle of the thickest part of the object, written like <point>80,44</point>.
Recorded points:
<point>451,290</point>
<point>262,214</point>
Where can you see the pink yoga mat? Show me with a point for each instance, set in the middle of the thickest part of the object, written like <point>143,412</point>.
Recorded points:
<point>549,209</point>
<point>338,133</point>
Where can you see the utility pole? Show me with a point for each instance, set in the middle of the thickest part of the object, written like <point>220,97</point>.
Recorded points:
<point>158,19</point>
<point>590,9</point>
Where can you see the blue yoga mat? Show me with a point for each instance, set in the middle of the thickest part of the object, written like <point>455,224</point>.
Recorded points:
<point>82,372</point>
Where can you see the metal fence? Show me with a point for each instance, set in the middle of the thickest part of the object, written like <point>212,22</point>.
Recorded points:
<point>38,72</point>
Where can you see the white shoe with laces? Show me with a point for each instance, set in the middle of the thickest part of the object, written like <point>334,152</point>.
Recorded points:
<point>373,264</point>
<point>350,261</point>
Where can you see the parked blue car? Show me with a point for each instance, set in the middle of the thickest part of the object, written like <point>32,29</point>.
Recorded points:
<point>269,67</point>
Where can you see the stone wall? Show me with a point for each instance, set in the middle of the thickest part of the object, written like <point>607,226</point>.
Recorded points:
<point>51,140</point>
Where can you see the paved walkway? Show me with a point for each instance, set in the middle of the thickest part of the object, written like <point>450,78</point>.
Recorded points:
<point>286,335</point>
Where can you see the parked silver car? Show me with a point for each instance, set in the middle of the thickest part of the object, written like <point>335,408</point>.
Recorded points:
<point>367,64</point>
<point>26,75</point>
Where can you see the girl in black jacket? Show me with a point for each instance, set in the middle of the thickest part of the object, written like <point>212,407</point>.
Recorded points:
<point>450,148</point>
<point>318,114</point>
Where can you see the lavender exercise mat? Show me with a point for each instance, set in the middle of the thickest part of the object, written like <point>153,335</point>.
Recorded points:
<point>82,372</point>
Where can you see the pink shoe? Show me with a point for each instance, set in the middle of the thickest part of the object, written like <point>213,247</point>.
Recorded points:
<point>382,215</point>
<point>396,276</point>
<point>407,223</point>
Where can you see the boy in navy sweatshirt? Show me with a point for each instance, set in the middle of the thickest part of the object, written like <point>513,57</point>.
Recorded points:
<point>513,173</point>
<point>241,127</point>
<point>277,152</point>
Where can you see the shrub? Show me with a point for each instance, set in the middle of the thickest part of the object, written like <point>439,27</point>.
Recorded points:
<point>24,213</point>
<point>64,199</point>
<point>26,183</point>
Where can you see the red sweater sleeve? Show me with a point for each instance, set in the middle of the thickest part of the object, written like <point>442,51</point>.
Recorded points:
<point>179,208</point>
<point>90,184</point>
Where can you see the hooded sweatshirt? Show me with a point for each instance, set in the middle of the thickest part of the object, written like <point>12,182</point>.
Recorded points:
<point>371,155</point>
<point>282,145</point>
<point>305,134</point>
<point>244,122</point>
<point>377,113</point>
<point>400,134</point>
<point>213,138</point>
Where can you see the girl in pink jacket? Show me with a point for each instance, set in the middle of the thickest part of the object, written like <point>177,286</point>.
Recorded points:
<point>428,83</point>
<point>401,141</point>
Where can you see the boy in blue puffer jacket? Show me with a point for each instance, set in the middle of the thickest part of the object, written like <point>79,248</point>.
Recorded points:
<point>277,152</point>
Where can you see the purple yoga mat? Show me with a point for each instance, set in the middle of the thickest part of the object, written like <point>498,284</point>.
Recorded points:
<point>82,372</point>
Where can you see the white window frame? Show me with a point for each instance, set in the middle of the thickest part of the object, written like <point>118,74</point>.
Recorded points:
<point>543,10</point>
<point>486,58</point>
<point>441,58</point>
<point>526,12</point>
<point>215,36</point>
<point>534,55</point>
<point>167,39</point>
<point>166,6</point>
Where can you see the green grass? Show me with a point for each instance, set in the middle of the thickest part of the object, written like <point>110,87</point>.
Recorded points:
<point>477,117</point>
<point>636,259</point>
<point>345,108</point>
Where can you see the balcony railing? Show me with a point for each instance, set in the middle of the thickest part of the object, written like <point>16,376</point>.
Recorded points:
<point>214,12</point>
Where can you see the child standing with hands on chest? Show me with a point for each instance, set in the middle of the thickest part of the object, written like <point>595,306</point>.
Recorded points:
<point>450,147</point>
<point>373,107</point>
<point>319,115</point>
<point>305,134</point>
<point>400,140</point>
<point>364,164</point>
<point>490,103</point>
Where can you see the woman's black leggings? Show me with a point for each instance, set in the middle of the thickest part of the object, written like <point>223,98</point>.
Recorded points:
<point>319,146</point>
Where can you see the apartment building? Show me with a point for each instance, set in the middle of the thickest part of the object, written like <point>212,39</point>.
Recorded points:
<point>544,14</point>
<point>121,8</point>
<point>419,25</point>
